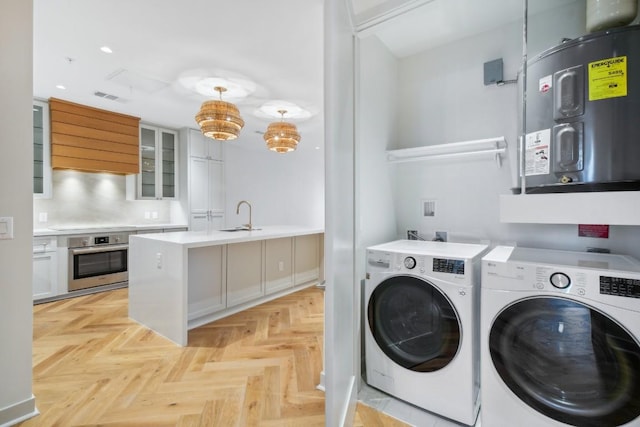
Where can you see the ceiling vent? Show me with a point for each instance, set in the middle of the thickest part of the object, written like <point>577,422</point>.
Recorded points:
<point>109,96</point>
<point>136,82</point>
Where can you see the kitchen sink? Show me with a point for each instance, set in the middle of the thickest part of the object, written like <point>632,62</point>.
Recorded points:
<point>239,229</point>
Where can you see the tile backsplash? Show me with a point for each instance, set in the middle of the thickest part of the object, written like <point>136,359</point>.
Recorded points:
<point>81,198</point>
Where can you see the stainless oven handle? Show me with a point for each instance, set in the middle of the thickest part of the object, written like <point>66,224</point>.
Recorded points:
<point>96,249</point>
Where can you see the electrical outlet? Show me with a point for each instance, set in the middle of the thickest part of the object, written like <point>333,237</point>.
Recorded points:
<point>43,217</point>
<point>281,266</point>
<point>147,215</point>
<point>154,214</point>
<point>159,260</point>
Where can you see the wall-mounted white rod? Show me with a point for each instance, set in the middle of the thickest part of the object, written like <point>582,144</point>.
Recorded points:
<point>495,146</point>
<point>496,151</point>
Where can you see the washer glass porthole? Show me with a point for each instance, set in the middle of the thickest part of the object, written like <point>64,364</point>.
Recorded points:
<point>414,323</point>
<point>568,361</point>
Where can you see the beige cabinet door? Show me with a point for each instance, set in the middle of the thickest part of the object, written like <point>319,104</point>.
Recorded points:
<point>206,270</point>
<point>244,272</point>
<point>306,259</point>
<point>278,264</point>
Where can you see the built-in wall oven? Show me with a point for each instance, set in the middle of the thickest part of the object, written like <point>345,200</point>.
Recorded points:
<point>98,260</point>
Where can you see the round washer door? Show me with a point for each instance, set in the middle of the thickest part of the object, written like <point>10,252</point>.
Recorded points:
<point>568,361</point>
<point>414,323</point>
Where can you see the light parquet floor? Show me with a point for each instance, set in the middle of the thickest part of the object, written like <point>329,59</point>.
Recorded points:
<point>93,366</point>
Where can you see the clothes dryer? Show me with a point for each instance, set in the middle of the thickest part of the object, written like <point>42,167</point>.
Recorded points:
<point>421,305</point>
<point>560,339</point>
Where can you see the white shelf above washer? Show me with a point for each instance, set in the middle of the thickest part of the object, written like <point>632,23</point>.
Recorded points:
<point>481,147</point>
<point>610,207</point>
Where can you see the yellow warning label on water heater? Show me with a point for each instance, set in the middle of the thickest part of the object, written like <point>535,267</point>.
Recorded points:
<point>608,78</point>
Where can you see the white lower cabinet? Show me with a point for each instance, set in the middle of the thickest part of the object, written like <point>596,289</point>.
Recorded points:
<point>278,264</point>
<point>45,268</point>
<point>244,272</point>
<point>207,280</point>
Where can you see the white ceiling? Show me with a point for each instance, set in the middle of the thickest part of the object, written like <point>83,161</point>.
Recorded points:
<point>278,44</point>
<point>433,23</point>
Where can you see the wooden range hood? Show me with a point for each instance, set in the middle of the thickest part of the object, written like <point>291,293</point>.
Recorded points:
<point>93,140</point>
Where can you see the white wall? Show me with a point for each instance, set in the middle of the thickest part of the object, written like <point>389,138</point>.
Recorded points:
<point>283,189</point>
<point>82,198</point>
<point>442,94</point>
<point>443,99</point>
<point>546,30</point>
<point>342,290</point>
<point>376,131</point>
<point>16,152</point>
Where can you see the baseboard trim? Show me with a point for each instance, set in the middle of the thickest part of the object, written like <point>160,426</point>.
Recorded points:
<point>321,385</point>
<point>18,412</point>
<point>349,410</point>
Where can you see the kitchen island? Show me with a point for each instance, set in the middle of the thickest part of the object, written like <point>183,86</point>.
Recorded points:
<point>181,280</point>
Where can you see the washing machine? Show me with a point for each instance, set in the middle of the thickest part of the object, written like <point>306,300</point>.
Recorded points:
<point>421,308</point>
<point>560,339</point>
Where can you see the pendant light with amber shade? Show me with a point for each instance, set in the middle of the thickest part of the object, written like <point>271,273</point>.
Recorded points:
<point>219,119</point>
<point>282,137</point>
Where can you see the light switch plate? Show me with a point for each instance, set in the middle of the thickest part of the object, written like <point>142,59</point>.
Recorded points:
<point>6,227</point>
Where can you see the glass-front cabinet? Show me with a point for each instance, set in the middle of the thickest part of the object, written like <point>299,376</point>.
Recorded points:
<point>158,177</point>
<point>41,150</point>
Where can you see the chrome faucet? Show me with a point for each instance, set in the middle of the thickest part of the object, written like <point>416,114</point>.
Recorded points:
<point>249,226</point>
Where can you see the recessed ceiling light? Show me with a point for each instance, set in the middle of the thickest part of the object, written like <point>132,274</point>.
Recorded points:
<point>106,49</point>
<point>61,87</point>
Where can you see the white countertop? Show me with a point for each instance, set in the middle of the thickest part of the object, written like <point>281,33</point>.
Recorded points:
<point>90,229</point>
<point>194,239</point>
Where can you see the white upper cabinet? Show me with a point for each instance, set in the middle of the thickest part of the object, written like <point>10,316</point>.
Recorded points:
<point>203,147</point>
<point>204,191</point>
<point>158,178</point>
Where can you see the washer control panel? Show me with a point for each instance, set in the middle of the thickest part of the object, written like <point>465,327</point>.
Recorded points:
<point>446,265</point>
<point>454,270</point>
<point>560,280</point>
<point>409,263</point>
<point>575,281</point>
<point>565,280</point>
<point>618,286</point>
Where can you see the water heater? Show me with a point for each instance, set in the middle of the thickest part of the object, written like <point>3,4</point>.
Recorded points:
<point>583,115</point>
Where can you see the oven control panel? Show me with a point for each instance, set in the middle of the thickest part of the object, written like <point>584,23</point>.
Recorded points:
<point>98,240</point>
